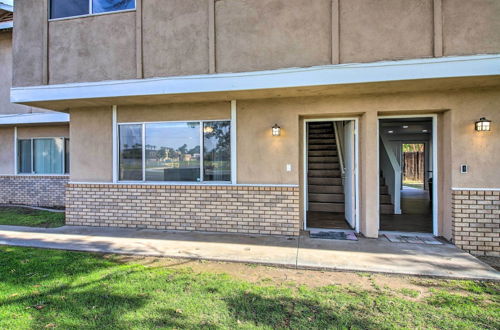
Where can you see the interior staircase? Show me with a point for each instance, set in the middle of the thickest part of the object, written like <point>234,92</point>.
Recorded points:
<point>326,193</point>
<point>386,206</point>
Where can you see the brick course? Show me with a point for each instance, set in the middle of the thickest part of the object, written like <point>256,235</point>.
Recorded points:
<point>476,221</point>
<point>231,209</point>
<point>33,190</point>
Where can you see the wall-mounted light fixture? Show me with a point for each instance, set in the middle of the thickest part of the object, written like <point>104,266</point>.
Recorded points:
<point>483,124</point>
<point>276,130</point>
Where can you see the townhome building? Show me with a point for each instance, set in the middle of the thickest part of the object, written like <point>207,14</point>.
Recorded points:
<point>269,117</point>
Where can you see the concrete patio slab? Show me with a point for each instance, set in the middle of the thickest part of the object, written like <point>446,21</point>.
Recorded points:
<point>365,255</point>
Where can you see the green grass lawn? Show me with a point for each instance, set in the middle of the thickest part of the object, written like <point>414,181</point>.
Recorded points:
<point>70,290</point>
<point>20,216</point>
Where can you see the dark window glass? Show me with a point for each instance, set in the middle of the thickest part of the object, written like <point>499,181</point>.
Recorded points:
<point>102,6</point>
<point>48,156</point>
<point>130,152</point>
<point>173,151</point>
<point>24,156</point>
<point>217,151</point>
<point>66,156</point>
<point>68,8</point>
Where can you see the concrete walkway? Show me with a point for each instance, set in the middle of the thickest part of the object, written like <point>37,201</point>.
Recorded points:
<point>365,255</point>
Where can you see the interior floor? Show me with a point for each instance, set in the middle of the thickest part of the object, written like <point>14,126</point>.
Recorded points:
<point>417,213</point>
<point>327,220</point>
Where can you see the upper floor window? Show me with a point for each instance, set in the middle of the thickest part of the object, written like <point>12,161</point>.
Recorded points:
<point>69,8</point>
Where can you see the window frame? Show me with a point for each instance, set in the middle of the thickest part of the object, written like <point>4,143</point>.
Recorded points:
<point>202,153</point>
<point>32,141</point>
<point>90,11</point>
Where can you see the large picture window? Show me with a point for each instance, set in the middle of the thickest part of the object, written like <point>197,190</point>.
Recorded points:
<point>70,8</point>
<point>43,156</point>
<point>198,151</point>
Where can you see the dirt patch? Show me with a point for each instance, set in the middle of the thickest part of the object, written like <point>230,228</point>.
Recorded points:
<point>411,287</point>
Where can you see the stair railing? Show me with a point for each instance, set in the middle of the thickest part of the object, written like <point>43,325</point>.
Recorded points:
<point>340,148</point>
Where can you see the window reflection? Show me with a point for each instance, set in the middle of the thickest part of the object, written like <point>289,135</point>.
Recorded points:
<point>173,151</point>
<point>130,152</point>
<point>102,6</point>
<point>217,151</point>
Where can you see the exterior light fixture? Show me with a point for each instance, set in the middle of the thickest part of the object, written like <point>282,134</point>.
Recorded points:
<point>483,125</point>
<point>276,130</point>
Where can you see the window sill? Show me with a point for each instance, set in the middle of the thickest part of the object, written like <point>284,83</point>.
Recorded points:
<point>90,15</point>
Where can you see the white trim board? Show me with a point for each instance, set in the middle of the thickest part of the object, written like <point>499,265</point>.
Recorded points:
<point>34,118</point>
<point>415,69</point>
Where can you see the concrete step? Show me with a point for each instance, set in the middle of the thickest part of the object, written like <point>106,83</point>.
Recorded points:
<point>385,199</point>
<point>384,190</point>
<point>321,141</point>
<point>324,166</point>
<point>324,173</point>
<point>325,181</point>
<point>386,209</point>
<point>327,207</point>
<point>315,147</point>
<point>322,153</point>
<point>323,189</point>
<point>320,159</point>
<point>326,198</point>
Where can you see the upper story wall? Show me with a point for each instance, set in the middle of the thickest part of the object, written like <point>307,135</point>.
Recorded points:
<point>6,78</point>
<point>184,37</point>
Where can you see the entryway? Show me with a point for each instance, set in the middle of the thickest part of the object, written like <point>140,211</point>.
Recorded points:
<point>330,164</point>
<point>407,172</point>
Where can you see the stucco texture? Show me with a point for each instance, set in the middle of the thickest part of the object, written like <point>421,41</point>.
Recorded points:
<point>91,145</point>
<point>175,37</point>
<point>6,150</point>
<point>385,29</point>
<point>28,132</point>
<point>29,19</point>
<point>92,48</point>
<point>471,27</point>
<point>258,35</point>
<point>6,76</point>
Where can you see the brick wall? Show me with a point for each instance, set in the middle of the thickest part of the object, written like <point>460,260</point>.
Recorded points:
<point>476,221</point>
<point>232,209</point>
<point>33,190</point>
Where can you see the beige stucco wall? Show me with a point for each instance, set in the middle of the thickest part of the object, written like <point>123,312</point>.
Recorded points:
<point>175,112</point>
<point>93,48</point>
<point>91,145</point>
<point>6,76</point>
<point>27,132</point>
<point>471,26</point>
<point>6,150</point>
<point>266,34</point>
<point>184,37</point>
<point>175,37</point>
<point>385,29</point>
<point>29,18</point>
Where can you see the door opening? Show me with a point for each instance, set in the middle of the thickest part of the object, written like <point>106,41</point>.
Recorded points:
<point>406,174</point>
<point>330,174</point>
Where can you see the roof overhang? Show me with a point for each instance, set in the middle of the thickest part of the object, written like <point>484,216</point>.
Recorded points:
<point>6,7</point>
<point>272,83</point>
<point>6,25</point>
<point>34,119</point>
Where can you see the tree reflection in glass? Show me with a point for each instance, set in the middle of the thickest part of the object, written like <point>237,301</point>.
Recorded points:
<point>217,151</point>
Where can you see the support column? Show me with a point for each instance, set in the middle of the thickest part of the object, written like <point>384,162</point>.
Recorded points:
<point>369,175</point>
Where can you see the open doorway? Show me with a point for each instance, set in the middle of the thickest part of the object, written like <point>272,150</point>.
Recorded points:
<point>406,174</point>
<point>330,174</point>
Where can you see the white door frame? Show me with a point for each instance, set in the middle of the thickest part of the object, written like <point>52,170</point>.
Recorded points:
<point>356,167</point>
<point>435,174</point>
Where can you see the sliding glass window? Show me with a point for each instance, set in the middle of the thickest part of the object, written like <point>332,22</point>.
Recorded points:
<point>72,8</point>
<point>175,151</point>
<point>42,156</point>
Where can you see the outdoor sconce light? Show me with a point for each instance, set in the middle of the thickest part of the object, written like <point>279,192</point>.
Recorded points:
<point>276,130</point>
<point>483,125</point>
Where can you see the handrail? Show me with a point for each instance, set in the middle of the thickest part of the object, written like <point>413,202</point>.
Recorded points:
<point>339,148</point>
